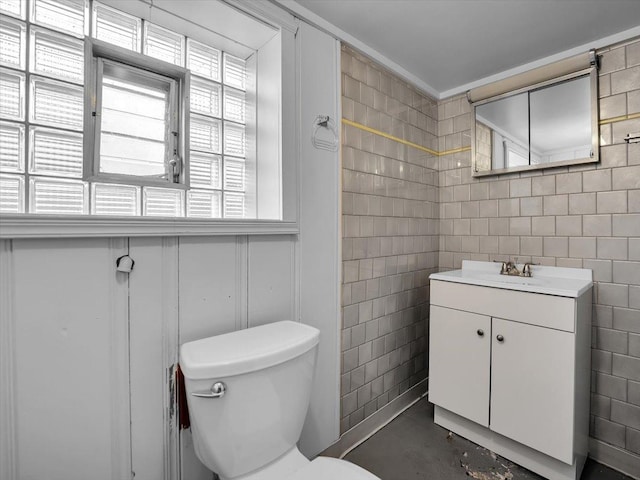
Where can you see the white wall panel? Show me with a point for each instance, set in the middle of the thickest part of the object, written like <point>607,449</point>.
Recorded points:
<point>153,343</point>
<point>212,286</point>
<point>7,371</point>
<point>71,360</point>
<point>319,253</point>
<point>69,321</point>
<point>271,294</point>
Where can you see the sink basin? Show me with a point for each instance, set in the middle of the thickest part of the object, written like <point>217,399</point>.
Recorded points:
<point>560,281</point>
<point>508,279</point>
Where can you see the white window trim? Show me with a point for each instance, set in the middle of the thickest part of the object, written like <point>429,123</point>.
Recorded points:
<point>80,226</point>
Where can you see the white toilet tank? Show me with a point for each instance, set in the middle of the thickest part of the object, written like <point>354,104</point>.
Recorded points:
<point>267,373</point>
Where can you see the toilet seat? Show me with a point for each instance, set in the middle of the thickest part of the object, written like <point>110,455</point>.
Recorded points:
<point>323,468</point>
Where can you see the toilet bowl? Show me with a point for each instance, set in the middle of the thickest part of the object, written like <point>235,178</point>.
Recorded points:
<point>248,392</point>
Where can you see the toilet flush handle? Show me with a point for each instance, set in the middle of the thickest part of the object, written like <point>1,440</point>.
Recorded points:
<point>218,390</point>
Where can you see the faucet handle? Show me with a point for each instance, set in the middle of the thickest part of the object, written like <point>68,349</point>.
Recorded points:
<point>526,269</point>
<point>503,268</point>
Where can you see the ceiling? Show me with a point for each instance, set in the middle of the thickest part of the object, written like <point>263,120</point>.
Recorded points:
<point>448,46</point>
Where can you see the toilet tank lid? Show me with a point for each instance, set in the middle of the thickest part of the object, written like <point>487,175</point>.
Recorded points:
<point>246,350</point>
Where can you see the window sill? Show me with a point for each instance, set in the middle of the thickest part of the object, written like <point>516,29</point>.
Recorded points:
<point>74,226</point>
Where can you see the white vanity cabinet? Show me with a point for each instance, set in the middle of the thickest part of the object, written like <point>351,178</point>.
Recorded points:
<point>509,368</point>
<point>532,386</point>
<point>460,350</point>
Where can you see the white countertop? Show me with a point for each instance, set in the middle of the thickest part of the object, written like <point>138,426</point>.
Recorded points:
<point>560,281</point>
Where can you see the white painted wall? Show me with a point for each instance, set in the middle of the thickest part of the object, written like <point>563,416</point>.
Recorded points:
<point>153,340</point>
<point>66,399</point>
<point>226,284</point>
<point>87,353</point>
<point>320,191</point>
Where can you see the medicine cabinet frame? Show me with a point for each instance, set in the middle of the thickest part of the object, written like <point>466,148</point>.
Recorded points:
<point>555,74</point>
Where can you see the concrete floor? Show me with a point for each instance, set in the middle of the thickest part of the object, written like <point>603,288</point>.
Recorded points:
<point>412,447</point>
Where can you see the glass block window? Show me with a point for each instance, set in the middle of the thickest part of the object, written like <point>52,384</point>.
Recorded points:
<point>58,196</point>
<point>11,193</point>
<point>115,200</point>
<point>56,55</point>
<point>11,147</point>
<point>15,8</point>
<point>163,44</point>
<point>205,97</point>
<point>12,43</point>
<point>69,16</point>
<point>218,139</point>
<point>235,72</point>
<point>203,61</point>
<point>112,26</point>
<point>55,103</point>
<point>55,152</point>
<point>12,94</point>
<point>42,106</point>
<point>162,202</point>
<point>203,204</point>
<point>42,125</point>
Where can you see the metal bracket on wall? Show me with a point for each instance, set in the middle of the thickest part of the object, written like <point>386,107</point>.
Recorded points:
<point>632,138</point>
<point>325,134</point>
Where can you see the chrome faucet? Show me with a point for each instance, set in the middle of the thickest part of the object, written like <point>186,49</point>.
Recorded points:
<point>508,268</point>
<point>511,268</point>
<point>505,267</point>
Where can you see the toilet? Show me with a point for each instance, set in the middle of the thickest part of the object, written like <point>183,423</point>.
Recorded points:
<point>248,392</point>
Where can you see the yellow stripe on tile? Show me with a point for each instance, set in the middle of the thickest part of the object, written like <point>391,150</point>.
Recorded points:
<point>621,118</point>
<point>454,150</point>
<point>390,137</point>
<point>461,149</point>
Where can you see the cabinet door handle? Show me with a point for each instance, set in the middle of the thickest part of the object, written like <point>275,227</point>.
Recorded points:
<point>480,332</point>
<point>500,338</point>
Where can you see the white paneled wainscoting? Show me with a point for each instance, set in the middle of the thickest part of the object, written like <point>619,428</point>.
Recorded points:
<point>89,353</point>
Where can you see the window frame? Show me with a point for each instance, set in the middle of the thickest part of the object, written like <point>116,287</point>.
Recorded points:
<point>270,33</point>
<point>96,53</point>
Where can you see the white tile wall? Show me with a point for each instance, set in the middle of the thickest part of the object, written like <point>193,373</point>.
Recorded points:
<point>581,216</point>
<point>406,213</point>
<point>390,236</point>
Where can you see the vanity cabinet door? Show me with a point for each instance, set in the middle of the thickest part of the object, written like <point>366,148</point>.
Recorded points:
<point>532,387</point>
<point>459,356</point>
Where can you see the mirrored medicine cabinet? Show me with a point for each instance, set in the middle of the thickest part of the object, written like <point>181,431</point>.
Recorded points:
<point>547,117</point>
